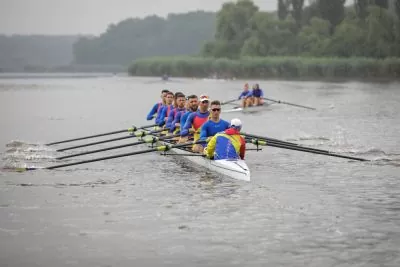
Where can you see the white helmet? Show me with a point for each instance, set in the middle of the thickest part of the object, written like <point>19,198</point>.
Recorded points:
<point>236,123</point>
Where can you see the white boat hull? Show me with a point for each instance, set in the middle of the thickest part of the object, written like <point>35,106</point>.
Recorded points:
<point>248,109</point>
<point>235,169</point>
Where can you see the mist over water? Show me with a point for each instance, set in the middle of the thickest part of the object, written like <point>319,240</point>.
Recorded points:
<point>300,209</point>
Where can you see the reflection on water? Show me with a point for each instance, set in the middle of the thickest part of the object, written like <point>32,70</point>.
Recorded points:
<point>300,209</point>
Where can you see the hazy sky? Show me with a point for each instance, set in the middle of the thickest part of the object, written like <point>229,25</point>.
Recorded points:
<point>92,16</point>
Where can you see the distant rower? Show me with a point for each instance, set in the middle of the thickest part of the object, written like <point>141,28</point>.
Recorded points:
<point>246,96</point>
<point>257,95</point>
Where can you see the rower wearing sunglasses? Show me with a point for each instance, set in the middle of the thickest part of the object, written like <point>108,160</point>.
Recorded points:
<point>215,124</point>
<point>194,122</point>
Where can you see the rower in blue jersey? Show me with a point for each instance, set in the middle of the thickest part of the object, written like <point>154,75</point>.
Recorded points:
<point>162,116</point>
<point>215,124</point>
<point>194,122</point>
<point>257,95</point>
<point>157,107</point>
<point>246,96</point>
<point>180,117</point>
<point>179,108</point>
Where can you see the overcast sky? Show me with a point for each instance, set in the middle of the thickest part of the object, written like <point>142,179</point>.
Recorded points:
<point>92,16</point>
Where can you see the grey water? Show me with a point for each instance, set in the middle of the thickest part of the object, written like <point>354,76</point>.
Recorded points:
<point>300,209</point>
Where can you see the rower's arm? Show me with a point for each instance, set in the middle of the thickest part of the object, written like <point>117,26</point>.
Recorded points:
<point>211,147</point>
<point>161,117</point>
<point>176,120</point>
<point>204,131</point>
<point>152,112</point>
<point>187,126</point>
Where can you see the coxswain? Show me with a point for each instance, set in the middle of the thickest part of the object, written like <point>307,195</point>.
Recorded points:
<point>228,144</point>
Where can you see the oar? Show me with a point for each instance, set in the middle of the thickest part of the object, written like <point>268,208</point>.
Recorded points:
<point>229,101</point>
<point>277,141</point>
<point>304,149</point>
<point>151,140</point>
<point>166,147</point>
<point>287,103</point>
<point>135,134</point>
<point>132,129</point>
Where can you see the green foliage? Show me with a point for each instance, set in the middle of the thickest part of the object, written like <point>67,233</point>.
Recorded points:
<point>232,29</point>
<point>324,28</point>
<point>361,7</point>
<point>297,12</point>
<point>331,10</point>
<point>270,67</point>
<point>283,9</point>
<point>179,34</point>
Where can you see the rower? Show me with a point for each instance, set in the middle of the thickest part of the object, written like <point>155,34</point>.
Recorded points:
<point>179,108</point>
<point>157,107</point>
<point>215,124</point>
<point>257,95</point>
<point>181,117</point>
<point>165,110</point>
<point>246,96</point>
<point>228,144</point>
<point>194,122</point>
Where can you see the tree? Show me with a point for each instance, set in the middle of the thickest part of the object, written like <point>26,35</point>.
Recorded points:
<point>332,10</point>
<point>361,7</point>
<point>283,9</point>
<point>233,27</point>
<point>382,3</point>
<point>297,12</point>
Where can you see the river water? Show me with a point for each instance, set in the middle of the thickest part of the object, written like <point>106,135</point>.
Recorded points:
<point>299,209</point>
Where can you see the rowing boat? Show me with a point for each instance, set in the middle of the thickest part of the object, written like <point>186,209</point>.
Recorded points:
<point>247,109</point>
<point>235,168</point>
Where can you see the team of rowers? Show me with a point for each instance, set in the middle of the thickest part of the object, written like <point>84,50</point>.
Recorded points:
<point>253,97</point>
<point>198,119</point>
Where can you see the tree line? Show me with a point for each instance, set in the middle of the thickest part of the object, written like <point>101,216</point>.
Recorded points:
<point>30,52</point>
<point>178,34</point>
<point>369,28</point>
<point>324,40</point>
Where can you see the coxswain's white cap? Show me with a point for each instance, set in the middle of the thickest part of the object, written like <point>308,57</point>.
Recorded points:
<point>236,123</point>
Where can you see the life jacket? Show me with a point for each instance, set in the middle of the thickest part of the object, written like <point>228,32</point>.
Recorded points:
<point>257,92</point>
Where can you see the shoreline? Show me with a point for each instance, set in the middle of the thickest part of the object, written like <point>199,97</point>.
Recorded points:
<point>267,68</point>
